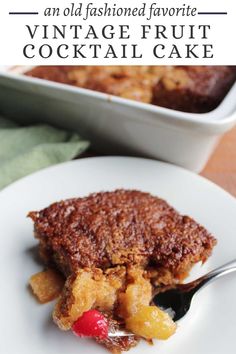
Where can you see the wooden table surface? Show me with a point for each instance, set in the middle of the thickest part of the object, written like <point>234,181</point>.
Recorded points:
<point>221,168</point>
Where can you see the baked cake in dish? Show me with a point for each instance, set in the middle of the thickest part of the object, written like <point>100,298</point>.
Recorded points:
<point>114,249</point>
<point>196,89</point>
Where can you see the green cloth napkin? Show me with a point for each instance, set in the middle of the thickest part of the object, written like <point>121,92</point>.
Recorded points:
<point>24,150</point>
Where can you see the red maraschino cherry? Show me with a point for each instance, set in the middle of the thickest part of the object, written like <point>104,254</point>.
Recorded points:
<point>91,324</point>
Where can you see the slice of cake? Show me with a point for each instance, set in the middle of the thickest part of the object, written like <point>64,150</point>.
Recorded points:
<point>114,248</point>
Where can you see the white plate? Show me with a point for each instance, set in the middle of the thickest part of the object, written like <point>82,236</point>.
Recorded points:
<point>26,327</point>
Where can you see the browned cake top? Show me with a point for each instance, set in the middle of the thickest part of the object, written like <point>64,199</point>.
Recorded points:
<point>120,227</point>
<point>194,88</point>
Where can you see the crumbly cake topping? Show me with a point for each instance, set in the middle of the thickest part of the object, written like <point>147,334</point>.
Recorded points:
<point>119,228</point>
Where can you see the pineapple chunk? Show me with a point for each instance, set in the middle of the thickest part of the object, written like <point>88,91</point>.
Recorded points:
<point>151,322</point>
<point>46,285</point>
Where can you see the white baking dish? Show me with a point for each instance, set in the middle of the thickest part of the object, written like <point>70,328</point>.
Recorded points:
<point>119,125</point>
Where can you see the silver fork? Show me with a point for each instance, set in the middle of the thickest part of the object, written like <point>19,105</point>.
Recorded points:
<point>177,301</point>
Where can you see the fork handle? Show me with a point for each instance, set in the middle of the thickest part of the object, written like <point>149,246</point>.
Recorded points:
<point>213,275</point>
